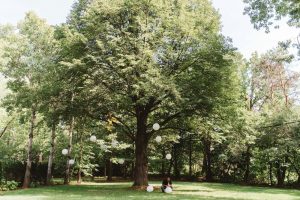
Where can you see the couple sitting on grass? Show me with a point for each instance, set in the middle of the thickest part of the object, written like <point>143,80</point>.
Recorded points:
<point>166,183</point>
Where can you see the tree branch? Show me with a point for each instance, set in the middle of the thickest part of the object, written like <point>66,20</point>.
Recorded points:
<point>5,128</point>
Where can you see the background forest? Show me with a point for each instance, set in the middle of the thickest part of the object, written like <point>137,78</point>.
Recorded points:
<point>138,90</point>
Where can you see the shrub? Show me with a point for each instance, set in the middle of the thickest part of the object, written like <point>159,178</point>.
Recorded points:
<point>9,185</point>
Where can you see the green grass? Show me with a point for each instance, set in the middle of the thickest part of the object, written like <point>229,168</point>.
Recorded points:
<point>182,190</point>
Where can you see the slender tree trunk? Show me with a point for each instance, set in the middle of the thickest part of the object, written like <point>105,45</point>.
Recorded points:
<point>132,169</point>
<point>204,163</point>
<point>67,174</point>
<point>190,156</point>
<point>79,179</point>
<point>27,176</point>
<point>248,158</point>
<point>207,155</point>
<point>51,155</point>
<point>109,170</point>
<point>141,144</point>
<point>176,167</point>
<point>271,173</point>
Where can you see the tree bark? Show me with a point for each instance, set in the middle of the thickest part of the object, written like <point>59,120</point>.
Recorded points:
<point>281,172</point>
<point>271,172</point>
<point>67,174</point>
<point>247,171</point>
<point>109,170</point>
<point>51,155</point>
<point>141,144</point>
<point>176,164</point>
<point>79,179</point>
<point>207,155</point>
<point>27,176</point>
<point>190,156</point>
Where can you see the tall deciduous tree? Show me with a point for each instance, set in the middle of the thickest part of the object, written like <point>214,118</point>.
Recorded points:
<point>145,62</point>
<point>26,56</point>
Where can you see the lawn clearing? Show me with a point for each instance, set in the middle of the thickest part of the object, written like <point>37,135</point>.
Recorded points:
<point>182,190</point>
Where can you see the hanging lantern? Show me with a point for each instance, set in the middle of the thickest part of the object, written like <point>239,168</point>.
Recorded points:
<point>150,188</point>
<point>168,190</point>
<point>168,156</point>
<point>71,162</point>
<point>121,161</point>
<point>64,152</point>
<point>158,139</point>
<point>156,127</point>
<point>93,138</point>
<point>114,143</point>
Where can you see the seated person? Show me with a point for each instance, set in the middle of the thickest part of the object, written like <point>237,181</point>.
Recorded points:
<point>166,183</point>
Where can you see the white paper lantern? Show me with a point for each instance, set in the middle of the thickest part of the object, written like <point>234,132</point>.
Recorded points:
<point>158,139</point>
<point>71,162</point>
<point>156,127</point>
<point>93,138</point>
<point>64,152</point>
<point>168,156</point>
<point>114,143</point>
<point>168,190</point>
<point>121,161</point>
<point>150,188</point>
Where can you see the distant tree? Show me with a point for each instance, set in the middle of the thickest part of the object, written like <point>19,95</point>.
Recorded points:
<point>265,13</point>
<point>27,53</point>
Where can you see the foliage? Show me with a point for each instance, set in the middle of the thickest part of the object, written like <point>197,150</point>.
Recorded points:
<point>9,185</point>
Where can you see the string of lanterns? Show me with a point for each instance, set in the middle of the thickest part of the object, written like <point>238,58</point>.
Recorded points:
<point>158,139</point>
<point>115,143</point>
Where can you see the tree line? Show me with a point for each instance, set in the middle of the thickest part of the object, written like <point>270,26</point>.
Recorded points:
<point>115,69</point>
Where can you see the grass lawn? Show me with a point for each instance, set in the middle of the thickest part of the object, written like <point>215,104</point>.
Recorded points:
<point>182,190</point>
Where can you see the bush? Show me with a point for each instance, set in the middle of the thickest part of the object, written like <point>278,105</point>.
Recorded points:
<point>9,185</point>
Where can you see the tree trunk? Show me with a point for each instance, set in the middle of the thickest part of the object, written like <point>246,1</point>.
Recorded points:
<point>271,173</point>
<point>51,155</point>
<point>27,176</point>
<point>141,144</point>
<point>190,156</point>
<point>80,161</point>
<point>207,155</point>
<point>247,172</point>
<point>176,155</point>
<point>281,172</point>
<point>67,174</point>
<point>109,170</point>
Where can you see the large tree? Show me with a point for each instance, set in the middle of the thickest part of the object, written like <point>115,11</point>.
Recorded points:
<point>144,62</point>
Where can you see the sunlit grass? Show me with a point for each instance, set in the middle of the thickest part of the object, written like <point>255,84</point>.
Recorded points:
<point>182,190</point>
